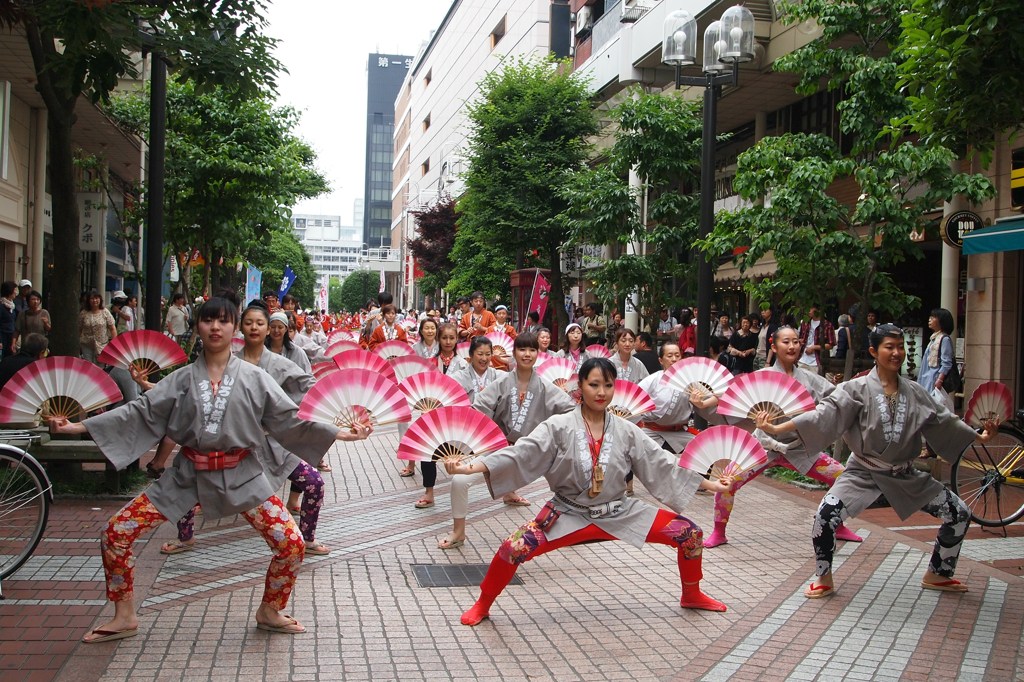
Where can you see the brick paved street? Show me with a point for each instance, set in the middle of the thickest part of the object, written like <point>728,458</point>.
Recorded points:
<point>601,611</point>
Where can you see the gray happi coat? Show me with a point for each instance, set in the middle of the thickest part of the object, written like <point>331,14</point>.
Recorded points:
<point>183,407</point>
<point>558,451</point>
<point>884,446</point>
<point>500,402</point>
<point>470,380</point>
<point>672,408</point>
<point>633,371</point>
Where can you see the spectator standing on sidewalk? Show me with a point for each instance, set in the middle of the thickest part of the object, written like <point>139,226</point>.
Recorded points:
<point>817,336</point>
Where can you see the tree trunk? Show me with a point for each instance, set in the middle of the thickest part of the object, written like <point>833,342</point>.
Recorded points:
<point>67,256</point>
<point>556,295</point>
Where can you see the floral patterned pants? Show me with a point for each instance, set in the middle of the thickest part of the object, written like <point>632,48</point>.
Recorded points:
<point>529,541</point>
<point>945,506</point>
<point>825,470</point>
<point>304,479</point>
<point>270,519</point>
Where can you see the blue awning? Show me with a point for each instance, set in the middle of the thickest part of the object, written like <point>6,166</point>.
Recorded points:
<point>1005,235</point>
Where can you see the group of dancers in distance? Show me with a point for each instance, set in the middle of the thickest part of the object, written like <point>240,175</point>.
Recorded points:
<point>235,417</point>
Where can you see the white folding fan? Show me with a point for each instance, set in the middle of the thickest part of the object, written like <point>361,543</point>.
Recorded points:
<point>361,359</point>
<point>409,365</point>
<point>144,349</point>
<point>462,350</point>
<point>773,392</point>
<point>992,401</point>
<point>450,433</point>
<point>340,346</point>
<point>723,451</point>
<point>393,349</point>
<point>58,386</point>
<point>696,376</point>
<point>559,371</point>
<point>354,396</point>
<point>596,350</point>
<point>428,391</point>
<point>502,343</point>
<point>630,400</point>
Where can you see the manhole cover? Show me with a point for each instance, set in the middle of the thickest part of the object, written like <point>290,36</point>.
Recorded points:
<point>453,575</point>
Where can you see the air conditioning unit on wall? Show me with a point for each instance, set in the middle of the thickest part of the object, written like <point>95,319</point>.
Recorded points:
<point>584,20</point>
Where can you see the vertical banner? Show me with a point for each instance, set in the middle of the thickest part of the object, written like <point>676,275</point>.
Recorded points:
<point>253,282</point>
<point>539,296</point>
<point>175,271</point>
<point>381,289</point>
<point>92,216</point>
<point>321,299</point>
<point>286,282</point>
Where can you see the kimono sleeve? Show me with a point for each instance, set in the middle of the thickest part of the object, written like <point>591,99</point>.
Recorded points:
<point>126,433</point>
<point>944,432</point>
<point>557,400</point>
<point>309,440</point>
<point>530,458</point>
<point>659,471</point>
<point>830,419</point>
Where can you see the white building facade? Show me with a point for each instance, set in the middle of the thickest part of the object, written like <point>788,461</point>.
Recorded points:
<point>335,249</point>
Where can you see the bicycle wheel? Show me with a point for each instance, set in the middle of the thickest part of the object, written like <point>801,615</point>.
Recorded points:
<point>986,477</point>
<point>24,508</point>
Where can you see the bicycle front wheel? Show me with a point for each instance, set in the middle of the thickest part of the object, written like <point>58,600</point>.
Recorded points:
<point>24,508</point>
<point>990,480</point>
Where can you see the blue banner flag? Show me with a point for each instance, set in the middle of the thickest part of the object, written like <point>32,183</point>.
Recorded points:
<point>253,282</point>
<point>286,282</point>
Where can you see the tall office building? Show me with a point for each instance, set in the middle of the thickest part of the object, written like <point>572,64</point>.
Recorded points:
<point>385,73</point>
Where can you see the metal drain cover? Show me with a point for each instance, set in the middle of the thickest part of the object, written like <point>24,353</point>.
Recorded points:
<point>453,575</point>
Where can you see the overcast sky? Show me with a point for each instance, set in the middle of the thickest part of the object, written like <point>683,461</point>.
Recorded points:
<point>324,45</point>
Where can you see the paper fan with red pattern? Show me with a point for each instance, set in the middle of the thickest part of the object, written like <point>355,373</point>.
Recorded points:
<point>237,344</point>
<point>342,335</point>
<point>501,343</point>
<point>630,400</point>
<point>596,350</point>
<point>354,396</point>
<point>362,359</point>
<point>992,401</point>
<point>410,365</point>
<point>723,451</point>
<point>412,337</point>
<point>772,392</point>
<point>450,433</point>
<point>393,349</point>
<point>462,350</point>
<point>696,376</point>
<point>428,391</point>
<point>542,358</point>
<point>58,386</point>
<point>559,371</point>
<point>144,349</point>
<point>322,368</point>
<point>340,346</point>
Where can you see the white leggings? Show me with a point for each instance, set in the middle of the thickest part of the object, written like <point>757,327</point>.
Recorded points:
<point>461,484</point>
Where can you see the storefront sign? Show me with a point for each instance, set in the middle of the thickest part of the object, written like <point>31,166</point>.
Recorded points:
<point>959,224</point>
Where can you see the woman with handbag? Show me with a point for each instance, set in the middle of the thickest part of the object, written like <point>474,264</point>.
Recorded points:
<point>937,363</point>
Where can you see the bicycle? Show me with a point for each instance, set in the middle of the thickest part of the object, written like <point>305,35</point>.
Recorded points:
<point>989,477</point>
<point>25,499</point>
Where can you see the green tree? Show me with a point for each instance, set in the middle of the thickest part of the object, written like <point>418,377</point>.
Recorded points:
<point>234,169</point>
<point>963,70</point>
<point>819,243</point>
<point>334,295</point>
<point>660,137</point>
<point>82,49</point>
<point>358,288</point>
<point>529,127</point>
<point>271,256</point>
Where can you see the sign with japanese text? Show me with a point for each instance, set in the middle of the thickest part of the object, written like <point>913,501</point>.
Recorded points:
<point>92,218</point>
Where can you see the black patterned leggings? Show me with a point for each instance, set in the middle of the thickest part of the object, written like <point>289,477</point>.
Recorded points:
<point>946,506</point>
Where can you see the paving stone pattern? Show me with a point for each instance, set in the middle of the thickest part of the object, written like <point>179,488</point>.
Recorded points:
<point>603,611</point>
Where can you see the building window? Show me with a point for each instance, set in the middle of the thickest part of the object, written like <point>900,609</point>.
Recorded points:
<point>1017,179</point>
<point>428,78</point>
<point>425,167</point>
<point>426,123</point>
<point>498,33</point>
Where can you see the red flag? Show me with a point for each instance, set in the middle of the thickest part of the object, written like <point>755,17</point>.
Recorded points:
<point>539,297</point>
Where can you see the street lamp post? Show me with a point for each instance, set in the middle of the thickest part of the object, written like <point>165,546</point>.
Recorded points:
<point>727,43</point>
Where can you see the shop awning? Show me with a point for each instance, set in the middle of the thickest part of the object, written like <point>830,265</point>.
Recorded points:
<point>1005,235</point>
